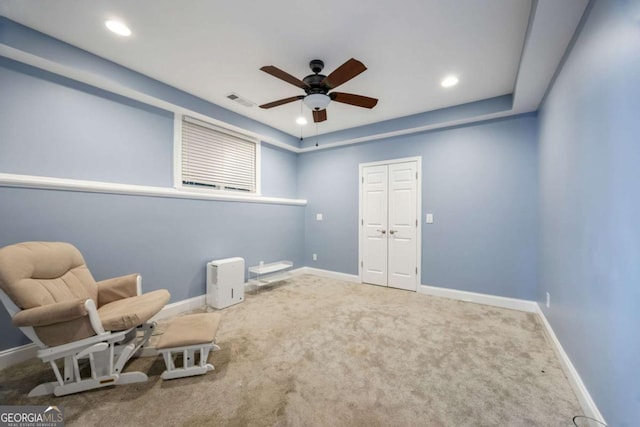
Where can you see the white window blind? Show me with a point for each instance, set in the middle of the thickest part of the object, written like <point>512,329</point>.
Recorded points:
<point>217,158</point>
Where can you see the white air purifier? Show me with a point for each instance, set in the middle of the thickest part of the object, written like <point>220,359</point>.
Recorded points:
<point>225,282</point>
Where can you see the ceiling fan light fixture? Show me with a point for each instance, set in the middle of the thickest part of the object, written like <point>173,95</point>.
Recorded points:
<point>449,81</point>
<point>317,101</point>
<point>301,121</point>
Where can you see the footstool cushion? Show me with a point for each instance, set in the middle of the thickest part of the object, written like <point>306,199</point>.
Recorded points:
<point>191,329</point>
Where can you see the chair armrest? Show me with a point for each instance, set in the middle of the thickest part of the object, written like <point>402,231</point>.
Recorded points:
<point>118,288</point>
<point>51,313</point>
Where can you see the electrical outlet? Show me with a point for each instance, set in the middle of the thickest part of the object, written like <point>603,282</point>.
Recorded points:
<point>548,300</point>
<point>315,257</point>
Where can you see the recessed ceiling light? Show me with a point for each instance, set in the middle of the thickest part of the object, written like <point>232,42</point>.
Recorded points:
<point>118,28</point>
<point>449,81</point>
<point>301,121</point>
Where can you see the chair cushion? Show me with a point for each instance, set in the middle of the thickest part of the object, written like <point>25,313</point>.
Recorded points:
<point>34,274</point>
<point>131,312</point>
<point>51,313</point>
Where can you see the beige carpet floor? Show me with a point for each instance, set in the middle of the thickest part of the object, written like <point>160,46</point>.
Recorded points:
<point>313,351</point>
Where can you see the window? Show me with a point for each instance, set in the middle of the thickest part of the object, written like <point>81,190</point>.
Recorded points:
<point>217,158</point>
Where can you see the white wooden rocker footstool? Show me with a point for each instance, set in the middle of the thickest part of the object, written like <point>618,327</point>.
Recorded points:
<point>188,335</point>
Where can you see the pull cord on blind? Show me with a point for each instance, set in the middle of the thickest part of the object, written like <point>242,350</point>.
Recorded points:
<point>217,158</point>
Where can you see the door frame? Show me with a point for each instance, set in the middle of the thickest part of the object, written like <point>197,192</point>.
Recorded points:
<point>361,166</point>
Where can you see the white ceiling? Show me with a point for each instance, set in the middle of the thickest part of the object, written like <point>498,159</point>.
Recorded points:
<point>211,48</point>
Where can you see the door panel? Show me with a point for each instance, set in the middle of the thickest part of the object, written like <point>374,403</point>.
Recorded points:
<point>401,197</point>
<point>402,241</point>
<point>375,195</point>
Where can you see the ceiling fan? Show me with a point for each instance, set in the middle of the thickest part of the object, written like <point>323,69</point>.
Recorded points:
<point>317,87</point>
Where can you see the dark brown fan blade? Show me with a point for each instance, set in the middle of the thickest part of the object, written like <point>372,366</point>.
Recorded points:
<point>344,73</point>
<point>319,116</point>
<point>357,100</point>
<point>278,73</point>
<point>281,101</point>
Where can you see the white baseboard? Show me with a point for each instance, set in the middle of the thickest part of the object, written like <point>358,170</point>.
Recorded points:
<point>15,355</point>
<point>298,271</point>
<point>584,398</point>
<point>353,278</point>
<point>179,307</point>
<point>496,301</point>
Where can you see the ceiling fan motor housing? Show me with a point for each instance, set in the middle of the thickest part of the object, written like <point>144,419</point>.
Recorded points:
<point>315,80</point>
<point>316,65</point>
<point>315,84</point>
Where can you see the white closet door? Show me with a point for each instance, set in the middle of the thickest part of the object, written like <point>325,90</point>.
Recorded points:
<point>403,226</point>
<point>390,225</point>
<point>375,214</point>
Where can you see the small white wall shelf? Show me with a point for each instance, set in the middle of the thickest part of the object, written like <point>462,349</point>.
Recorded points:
<point>269,273</point>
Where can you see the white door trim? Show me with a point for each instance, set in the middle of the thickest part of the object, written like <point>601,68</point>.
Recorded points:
<point>361,167</point>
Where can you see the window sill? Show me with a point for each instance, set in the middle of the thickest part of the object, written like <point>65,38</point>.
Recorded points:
<point>64,184</point>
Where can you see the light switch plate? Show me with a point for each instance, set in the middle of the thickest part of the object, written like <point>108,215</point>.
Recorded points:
<point>318,217</point>
<point>429,218</point>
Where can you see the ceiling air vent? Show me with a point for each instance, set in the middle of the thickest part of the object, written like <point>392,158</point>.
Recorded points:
<point>240,100</point>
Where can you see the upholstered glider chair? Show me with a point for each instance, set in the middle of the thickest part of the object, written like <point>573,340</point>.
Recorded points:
<point>93,328</point>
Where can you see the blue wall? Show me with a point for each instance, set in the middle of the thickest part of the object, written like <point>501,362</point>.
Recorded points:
<point>168,241</point>
<point>590,208</point>
<point>279,172</point>
<point>33,42</point>
<point>479,181</point>
<point>55,127</point>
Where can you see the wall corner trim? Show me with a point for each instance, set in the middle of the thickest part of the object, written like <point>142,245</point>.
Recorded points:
<point>584,398</point>
<point>65,184</point>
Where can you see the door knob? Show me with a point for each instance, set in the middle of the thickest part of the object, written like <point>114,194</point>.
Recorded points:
<point>382,231</point>
<point>393,231</point>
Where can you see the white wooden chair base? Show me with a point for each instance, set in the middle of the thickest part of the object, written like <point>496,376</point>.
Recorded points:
<point>87,384</point>
<point>107,353</point>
